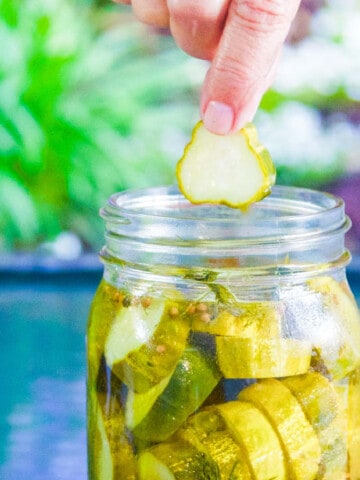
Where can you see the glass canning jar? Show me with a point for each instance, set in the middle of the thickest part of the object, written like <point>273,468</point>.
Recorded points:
<point>224,344</point>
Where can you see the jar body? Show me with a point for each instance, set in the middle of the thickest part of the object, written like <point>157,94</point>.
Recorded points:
<point>198,374</point>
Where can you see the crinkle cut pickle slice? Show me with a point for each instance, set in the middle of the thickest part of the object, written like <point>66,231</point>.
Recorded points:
<point>234,170</point>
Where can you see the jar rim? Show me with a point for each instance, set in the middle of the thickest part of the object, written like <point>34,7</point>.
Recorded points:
<point>286,213</point>
<point>293,228</point>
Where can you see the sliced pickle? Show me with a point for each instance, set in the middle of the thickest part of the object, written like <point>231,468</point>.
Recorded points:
<point>138,404</point>
<point>176,461</point>
<point>207,432</point>
<point>101,461</point>
<point>332,440</point>
<point>258,319</point>
<point>106,305</point>
<point>151,468</point>
<point>317,397</point>
<point>235,170</point>
<point>354,425</point>
<point>132,327</point>
<point>256,438</point>
<point>112,450</point>
<point>262,358</point>
<point>338,360</point>
<point>298,438</point>
<point>322,407</point>
<point>145,367</point>
<point>195,376</point>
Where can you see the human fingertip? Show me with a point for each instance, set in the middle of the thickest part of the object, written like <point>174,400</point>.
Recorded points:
<point>218,117</point>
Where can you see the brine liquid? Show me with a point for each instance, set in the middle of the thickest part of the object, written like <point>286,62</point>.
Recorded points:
<point>216,389</point>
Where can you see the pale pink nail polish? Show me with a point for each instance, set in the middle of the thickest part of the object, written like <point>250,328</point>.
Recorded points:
<point>218,117</point>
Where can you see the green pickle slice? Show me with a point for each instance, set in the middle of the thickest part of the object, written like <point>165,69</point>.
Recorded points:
<point>132,327</point>
<point>138,405</point>
<point>257,439</point>
<point>145,367</point>
<point>261,357</point>
<point>194,377</point>
<point>299,441</point>
<point>112,457</point>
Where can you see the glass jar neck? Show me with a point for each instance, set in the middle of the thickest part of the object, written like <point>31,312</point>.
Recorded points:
<point>292,232</point>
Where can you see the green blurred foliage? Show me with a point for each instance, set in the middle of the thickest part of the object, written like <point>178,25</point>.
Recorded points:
<point>82,109</point>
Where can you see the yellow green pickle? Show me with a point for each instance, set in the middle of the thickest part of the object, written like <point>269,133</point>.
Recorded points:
<point>204,390</point>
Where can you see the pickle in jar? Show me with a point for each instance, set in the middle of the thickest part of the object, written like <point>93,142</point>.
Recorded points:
<point>207,431</point>
<point>299,441</point>
<point>145,367</point>
<point>176,461</point>
<point>194,377</point>
<point>257,319</point>
<point>256,437</point>
<point>339,306</point>
<point>262,358</point>
<point>112,454</point>
<point>323,408</point>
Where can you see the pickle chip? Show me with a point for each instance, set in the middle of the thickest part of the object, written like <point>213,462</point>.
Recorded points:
<point>207,431</point>
<point>257,439</point>
<point>133,326</point>
<point>234,170</point>
<point>354,424</point>
<point>262,358</point>
<point>334,456</point>
<point>322,407</point>
<point>194,377</point>
<point>145,367</point>
<point>317,397</point>
<point>138,405</point>
<point>258,319</point>
<point>298,438</point>
<point>176,461</point>
<point>113,457</point>
<point>340,359</point>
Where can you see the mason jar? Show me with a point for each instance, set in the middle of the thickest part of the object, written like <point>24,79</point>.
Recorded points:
<point>224,344</point>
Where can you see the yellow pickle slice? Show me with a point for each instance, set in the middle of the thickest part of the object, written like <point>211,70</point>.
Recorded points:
<point>262,358</point>
<point>354,425</point>
<point>323,408</point>
<point>176,461</point>
<point>317,397</point>
<point>258,319</point>
<point>113,452</point>
<point>234,170</point>
<point>256,437</point>
<point>343,357</point>
<point>207,431</point>
<point>298,438</point>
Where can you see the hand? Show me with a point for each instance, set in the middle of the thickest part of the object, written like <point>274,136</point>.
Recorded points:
<point>241,38</point>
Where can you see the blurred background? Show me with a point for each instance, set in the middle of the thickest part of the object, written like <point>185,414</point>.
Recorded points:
<point>92,102</point>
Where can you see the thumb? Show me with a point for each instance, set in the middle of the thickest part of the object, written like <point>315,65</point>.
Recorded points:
<point>245,61</point>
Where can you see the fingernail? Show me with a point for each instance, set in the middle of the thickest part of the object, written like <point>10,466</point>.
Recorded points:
<point>218,117</point>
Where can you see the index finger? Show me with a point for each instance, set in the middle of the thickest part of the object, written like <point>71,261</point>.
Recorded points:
<point>254,33</point>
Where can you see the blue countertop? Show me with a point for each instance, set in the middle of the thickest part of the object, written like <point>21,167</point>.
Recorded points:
<point>42,366</point>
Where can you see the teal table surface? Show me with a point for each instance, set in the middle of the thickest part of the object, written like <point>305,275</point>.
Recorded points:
<point>42,366</point>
